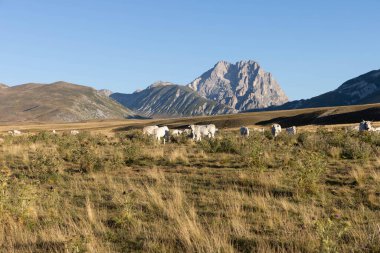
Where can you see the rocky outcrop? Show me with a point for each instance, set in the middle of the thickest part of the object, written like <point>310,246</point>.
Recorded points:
<point>105,92</point>
<point>242,86</point>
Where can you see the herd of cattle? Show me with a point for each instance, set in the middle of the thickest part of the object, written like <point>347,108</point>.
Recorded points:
<point>199,131</point>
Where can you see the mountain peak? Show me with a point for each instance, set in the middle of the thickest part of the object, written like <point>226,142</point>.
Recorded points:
<point>159,83</point>
<point>242,86</point>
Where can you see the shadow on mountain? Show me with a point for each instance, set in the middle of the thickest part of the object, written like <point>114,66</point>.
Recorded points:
<point>137,117</point>
<point>317,118</point>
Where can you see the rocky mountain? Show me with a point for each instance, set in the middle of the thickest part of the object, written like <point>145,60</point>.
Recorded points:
<point>243,86</point>
<point>164,99</point>
<point>58,101</point>
<point>363,89</point>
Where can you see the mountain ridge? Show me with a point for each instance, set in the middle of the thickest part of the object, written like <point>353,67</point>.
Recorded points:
<point>363,89</point>
<point>58,101</point>
<point>165,99</point>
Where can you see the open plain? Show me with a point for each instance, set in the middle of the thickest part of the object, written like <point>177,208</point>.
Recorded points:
<point>111,189</point>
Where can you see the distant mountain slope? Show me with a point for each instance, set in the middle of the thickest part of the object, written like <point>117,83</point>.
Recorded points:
<point>163,99</point>
<point>58,101</point>
<point>364,89</point>
<point>243,86</point>
<point>2,86</point>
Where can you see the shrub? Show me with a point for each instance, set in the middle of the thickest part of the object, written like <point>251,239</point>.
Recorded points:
<point>308,171</point>
<point>220,145</point>
<point>130,151</point>
<point>354,149</point>
<point>45,160</point>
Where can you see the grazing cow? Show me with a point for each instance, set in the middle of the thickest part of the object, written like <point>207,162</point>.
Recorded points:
<point>244,131</point>
<point>161,132</point>
<point>14,132</point>
<point>74,132</point>
<point>203,130</point>
<point>149,130</point>
<point>188,133</point>
<point>177,132</point>
<point>291,130</point>
<point>276,130</point>
<point>54,132</point>
<point>365,126</point>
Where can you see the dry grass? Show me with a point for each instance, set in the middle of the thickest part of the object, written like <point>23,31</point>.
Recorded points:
<point>125,193</point>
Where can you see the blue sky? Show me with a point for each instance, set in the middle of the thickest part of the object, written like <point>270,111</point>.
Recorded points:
<point>310,46</point>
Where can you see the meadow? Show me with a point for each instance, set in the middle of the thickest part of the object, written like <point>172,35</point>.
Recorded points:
<point>317,191</point>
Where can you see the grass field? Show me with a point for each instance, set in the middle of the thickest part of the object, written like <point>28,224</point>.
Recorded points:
<point>107,190</point>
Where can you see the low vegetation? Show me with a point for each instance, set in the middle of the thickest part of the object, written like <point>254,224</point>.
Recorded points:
<point>312,192</point>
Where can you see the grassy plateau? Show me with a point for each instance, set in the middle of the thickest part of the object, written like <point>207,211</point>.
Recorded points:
<point>119,191</point>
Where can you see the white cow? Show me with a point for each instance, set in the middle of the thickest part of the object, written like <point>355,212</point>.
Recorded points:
<point>1,140</point>
<point>177,132</point>
<point>161,132</point>
<point>276,130</point>
<point>149,130</point>
<point>74,132</point>
<point>203,130</point>
<point>244,131</point>
<point>54,132</point>
<point>14,132</point>
<point>291,130</point>
<point>365,126</point>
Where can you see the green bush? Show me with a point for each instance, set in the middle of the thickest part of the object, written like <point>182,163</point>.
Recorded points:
<point>220,145</point>
<point>45,161</point>
<point>308,170</point>
<point>355,149</point>
<point>130,151</point>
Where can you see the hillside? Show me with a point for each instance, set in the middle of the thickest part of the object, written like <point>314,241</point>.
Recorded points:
<point>364,89</point>
<point>164,99</point>
<point>60,101</point>
<point>243,86</point>
<point>3,86</point>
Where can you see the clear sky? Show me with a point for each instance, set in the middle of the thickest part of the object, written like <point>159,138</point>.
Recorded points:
<point>309,46</point>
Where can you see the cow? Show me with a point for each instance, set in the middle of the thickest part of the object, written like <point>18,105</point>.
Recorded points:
<point>54,132</point>
<point>1,140</point>
<point>244,131</point>
<point>291,130</point>
<point>365,126</point>
<point>203,130</point>
<point>74,132</point>
<point>276,130</point>
<point>149,130</point>
<point>14,132</point>
<point>161,132</point>
<point>177,132</point>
